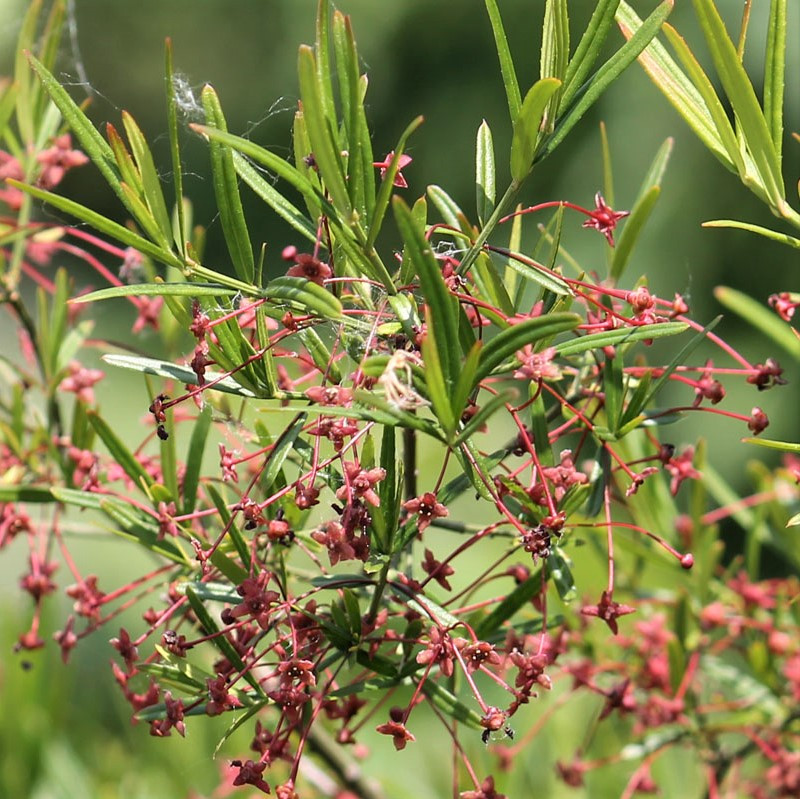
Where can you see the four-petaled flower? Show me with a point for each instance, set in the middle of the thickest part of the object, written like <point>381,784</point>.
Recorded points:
<point>537,365</point>
<point>427,507</point>
<point>608,610</point>
<point>80,381</point>
<point>400,735</point>
<point>359,483</point>
<point>437,570</point>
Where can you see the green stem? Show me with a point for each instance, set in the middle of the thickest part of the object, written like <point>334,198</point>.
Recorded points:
<point>491,223</point>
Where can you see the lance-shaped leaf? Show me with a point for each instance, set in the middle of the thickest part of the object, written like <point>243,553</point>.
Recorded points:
<point>743,99</point>
<point>439,391</point>
<point>156,290</point>
<point>528,127</point>
<point>507,70</point>
<point>324,145</point>
<point>174,147</point>
<point>622,335</point>
<point>554,53</point>
<point>607,74</point>
<point>151,185</point>
<point>588,49</point>
<point>273,198</point>
<point>194,459</point>
<point>648,196</point>
<point>485,180</point>
<point>443,307</point>
<point>304,294</point>
<point>514,338</point>
<point>676,87</point>
<point>361,177</point>
<point>774,71</point>
<point>226,191</point>
<point>783,238</point>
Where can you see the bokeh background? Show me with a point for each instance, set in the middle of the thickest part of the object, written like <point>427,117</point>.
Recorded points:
<point>64,732</point>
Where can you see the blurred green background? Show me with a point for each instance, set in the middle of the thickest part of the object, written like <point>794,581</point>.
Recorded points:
<point>64,732</point>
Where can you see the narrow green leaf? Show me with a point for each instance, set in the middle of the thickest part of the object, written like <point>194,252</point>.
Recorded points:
<point>675,86</point>
<point>127,168</point>
<point>273,198</point>
<point>588,49</point>
<point>361,178</point>
<point>528,127</point>
<point>623,335</point>
<point>90,140</point>
<point>607,74</point>
<point>151,184</point>
<point>513,601</point>
<point>280,451</point>
<point>558,570</point>
<point>554,54</point>
<point>485,182</point>
<point>25,101</point>
<point>514,338</point>
<point>450,705</point>
<point>760,317</point>
<point>144,217</point>
<point>194,459</point>
<point>483,414</point>
<point>226,191</point>
<point>272,162</point>
<point>121,454</point>
<point>323,143</point>
<point>440,302</point>
<point>306,295</point>
<point>156,290</point>
<point>102,224</point>
<point>507,70</point>
<point>613,390</point>
<point>211,629</point>
<point>439,391</point>
<point>742,97</point>
<point>634,225</point>
<point>25,493</point>
<point>774,71</point>
<point>138,527</point>
<point>234,533</point>
<point>174,147</point>
<point>784,446</point>
<point>718,114</point>
<point>466,379</point>
<point>173,371</point>
<point>783,238</point>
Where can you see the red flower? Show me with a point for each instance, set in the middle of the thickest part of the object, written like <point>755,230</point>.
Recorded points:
<point>438,570</point>
<point>427,507</point>
<point>484,791</point>
<point>403,162</point>
<point>604,218</point>
<point>608,610</point>
<point>400,735</point>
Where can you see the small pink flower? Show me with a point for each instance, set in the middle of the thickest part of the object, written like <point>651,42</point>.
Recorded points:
<point>81,380</point>
<point>403,162</point>
<point>428,509</point>
<point>537,365</point>
<point>58,160</point>
<point>604,219</point>
<point>608,610</point>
